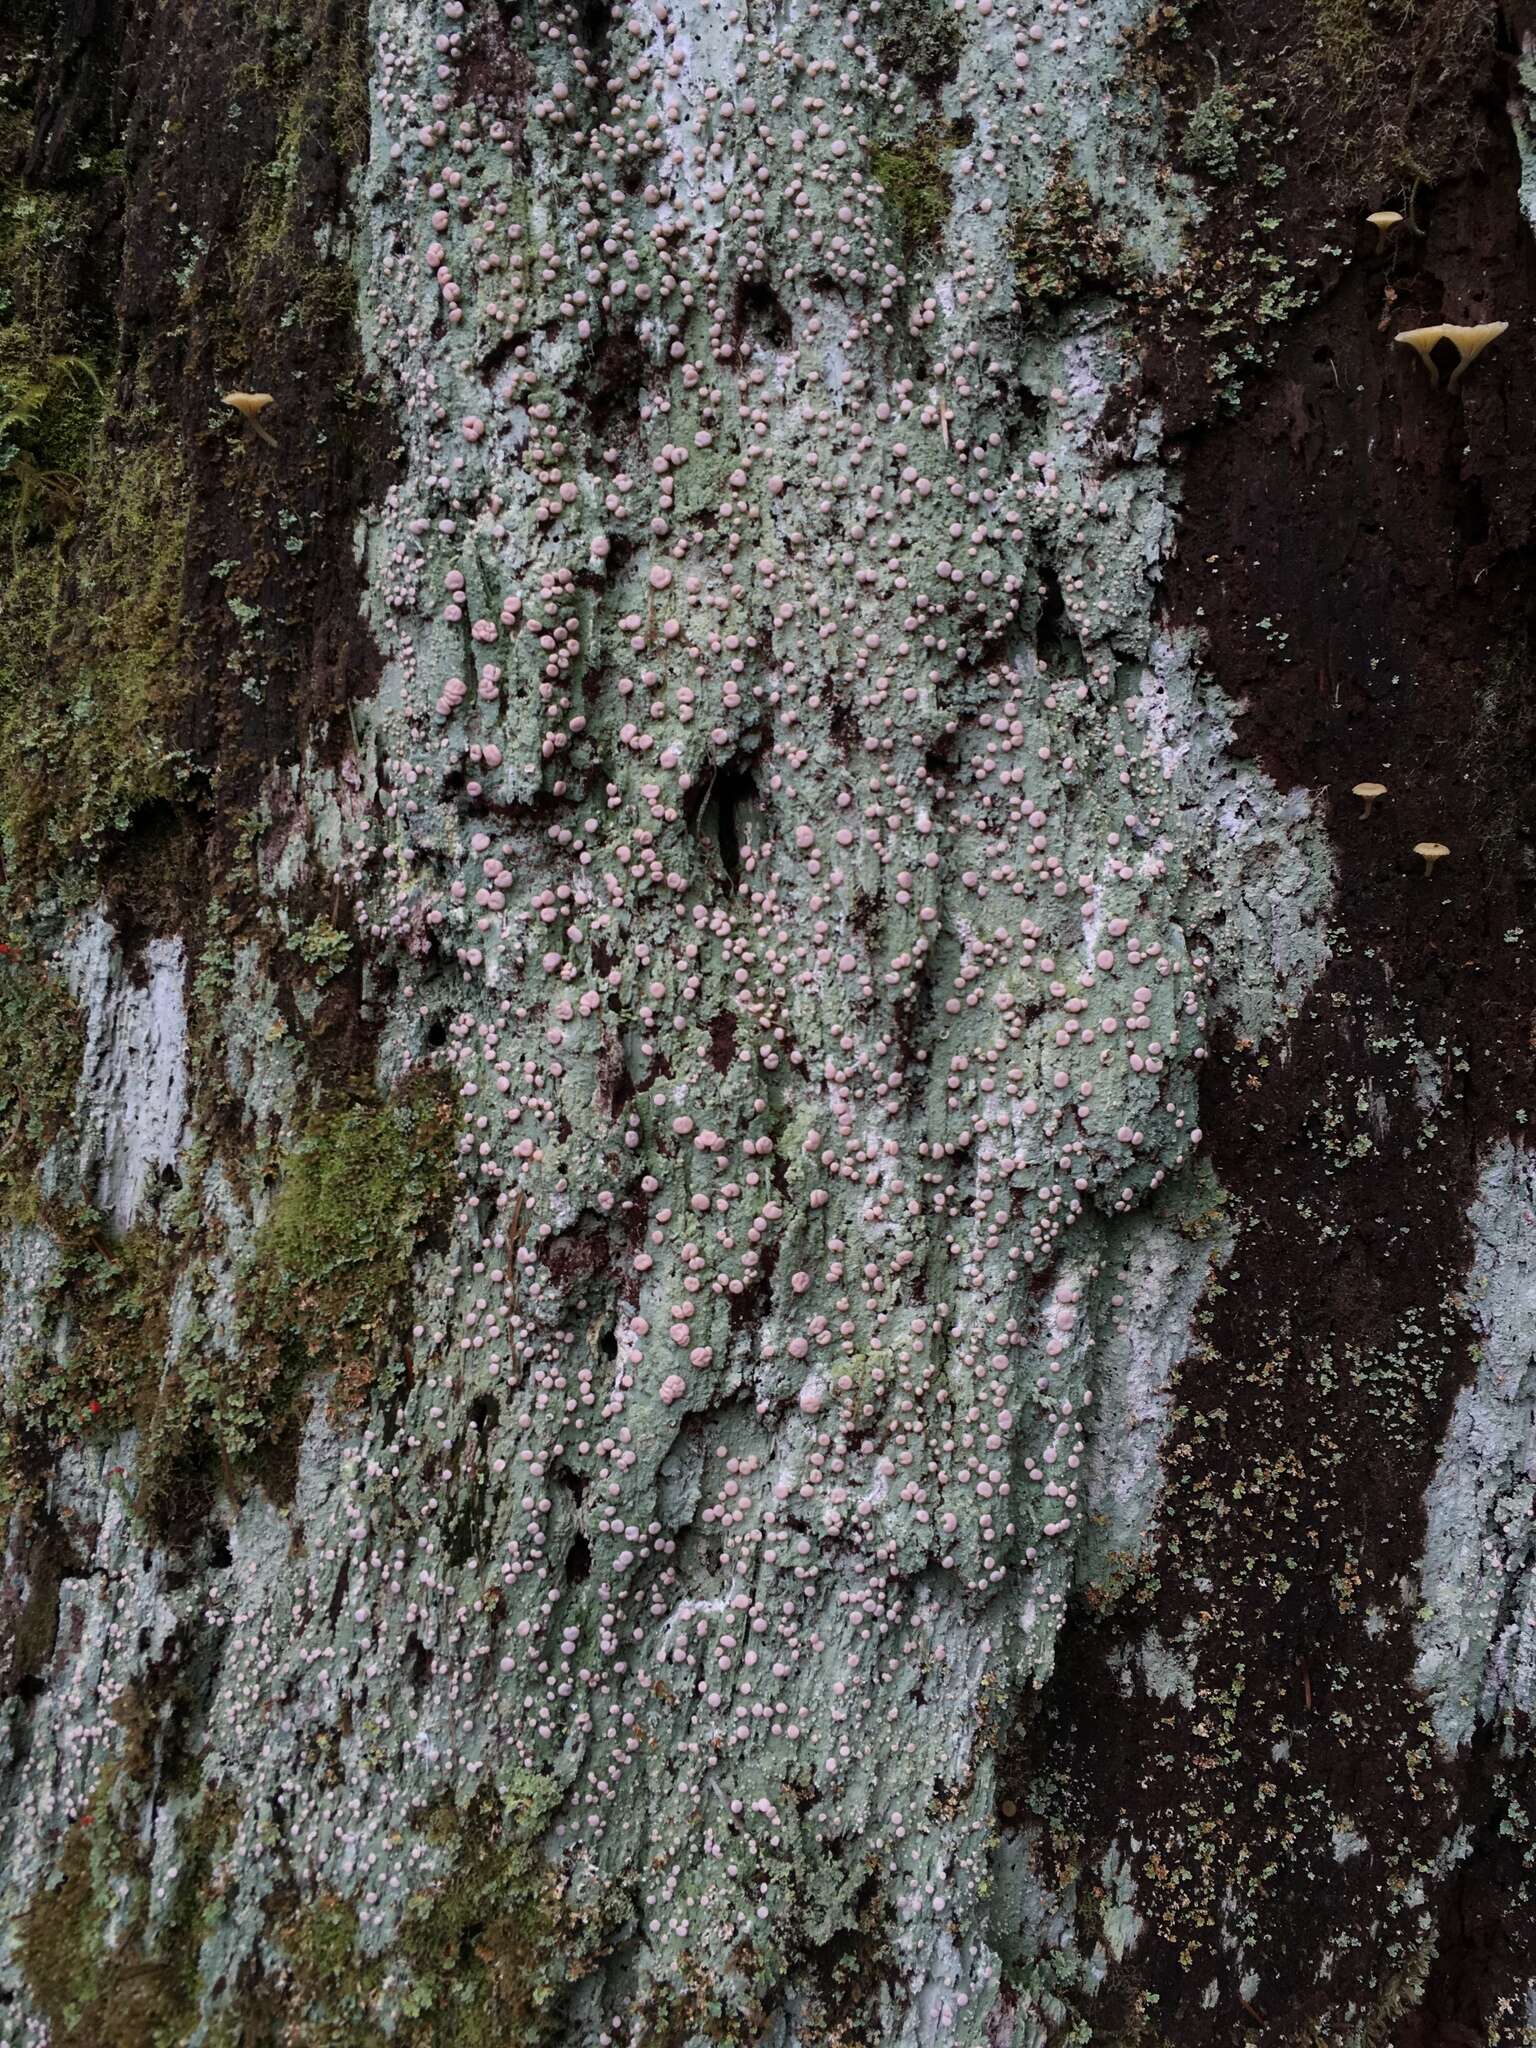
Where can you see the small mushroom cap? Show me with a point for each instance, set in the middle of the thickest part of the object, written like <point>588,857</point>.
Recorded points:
<point>1383,220</point>
<point>1369,789</point>
<point>1431,849</point>
<point>248,403</point>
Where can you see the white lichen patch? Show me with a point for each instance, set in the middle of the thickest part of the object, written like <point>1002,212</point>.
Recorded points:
<point>1476,1632</point>
<point>102,1646</point>
<point>1141,1329</point>
<point>1260,874</point>
<point>132,1101</point>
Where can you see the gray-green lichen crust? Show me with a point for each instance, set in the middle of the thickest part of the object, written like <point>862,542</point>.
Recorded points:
<point>1477,1662</point>
<point>795,838</point>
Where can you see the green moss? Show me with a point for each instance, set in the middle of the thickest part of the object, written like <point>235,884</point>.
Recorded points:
<point>327,1282</point>
<point>91,678</point>
<point>1350,33</point>
<point>91,510</point>
<point>98,1992</point>
<point>313,69</point>
<point>51,335</point>
<point>96,1361</point>
<point>50,406</point>
<point>1401,73</point>
<point>41,1049</point>
<point>179,1465</point>
<point>104,1314</point>
<point>272,192</point>
<point>483,1953</point>
<point>63,1942</point>
<point>915,178</point>
<point>330,1270</point>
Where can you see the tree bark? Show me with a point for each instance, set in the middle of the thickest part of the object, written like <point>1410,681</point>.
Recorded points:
<point>767,1278</point>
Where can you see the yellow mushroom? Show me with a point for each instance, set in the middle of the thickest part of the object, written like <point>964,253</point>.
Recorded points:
<point>1429,851</point>
<point>1368,793</point>
<point>248,404</point>
<point>1384,223</point>
<point>1468,342</point>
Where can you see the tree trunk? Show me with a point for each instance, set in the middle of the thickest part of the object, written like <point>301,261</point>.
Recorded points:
<point>766,1280</point>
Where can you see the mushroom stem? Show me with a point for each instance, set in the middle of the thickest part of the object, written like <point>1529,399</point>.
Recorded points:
<point>248,404</point>
<point>1368,793</point>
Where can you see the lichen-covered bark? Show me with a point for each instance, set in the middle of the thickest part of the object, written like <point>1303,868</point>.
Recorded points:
<point>763,1282</point>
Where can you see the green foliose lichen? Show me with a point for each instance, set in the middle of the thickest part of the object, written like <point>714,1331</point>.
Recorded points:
<point>1210,137</point>
<point>1063,247</point>
<point>320,946</point>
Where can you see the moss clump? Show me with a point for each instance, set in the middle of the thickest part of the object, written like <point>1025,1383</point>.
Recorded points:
<point>308,70</point>
<point>41,1049</point>
<point>91,514</point>
<point>97,1993</point>
<point>91,681</point>
<point>49,409</point>
<point>1062,249</point>
<point>914,176</point>
<point>331,1266</point>
<point>1400,74</point>
<point>179,1466</point>
<point>495,1917</point>
<point>327,1281</point>
<point>63,1942</point>
<point>101,1322</point>
<point>482,1955</point>
<point>52,332</point>
<point>1350,34</point>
